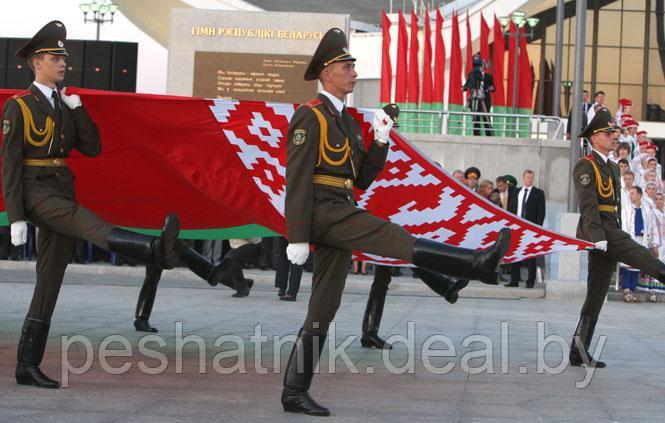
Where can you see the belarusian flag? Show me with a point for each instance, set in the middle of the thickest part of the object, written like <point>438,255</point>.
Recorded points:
<point>484,39</point>
<point>524,90</point>
<point>386,66</point>
<point>455,95</point>
<point>413,91</point>
<point>402,70</point>
<point>484,53</point>
<point>439,66</point>
<point>510,95</point>
<point>469,66</point>
<point>426,100</point>
<point>499,97</point>
<point>221,166</point>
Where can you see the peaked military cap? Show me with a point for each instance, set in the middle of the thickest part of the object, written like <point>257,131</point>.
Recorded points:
<point>511,180</point>
<point>332,48</point>
<point>49,39</point>
<point>392,110</point>
<point>601,122</point>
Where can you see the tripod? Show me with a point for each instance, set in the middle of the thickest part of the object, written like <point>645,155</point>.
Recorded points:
<point>477,104</point>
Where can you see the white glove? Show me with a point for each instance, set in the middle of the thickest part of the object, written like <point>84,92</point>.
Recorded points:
<point>19,231</point>
<point>72,101</point>
<point>297,253</point>
<point>601,245</point>
<point>382,124</point>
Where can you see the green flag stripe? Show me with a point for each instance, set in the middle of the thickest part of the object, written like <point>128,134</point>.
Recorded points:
<point>244,231</point>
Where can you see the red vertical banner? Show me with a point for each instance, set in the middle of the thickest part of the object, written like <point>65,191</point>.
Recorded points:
<point>413,90</point>
<point>386,66</point>
<point>512,50</point>
<point>499,96</point>
<point>469,45</point>
<point>455,78</point>
<point>427,64</point>
<point>427,123</point>
<point>400,76</point>
<point>525,92</point>
<point>439,62</point>
<point>455,97</point>
<point>484,39</point>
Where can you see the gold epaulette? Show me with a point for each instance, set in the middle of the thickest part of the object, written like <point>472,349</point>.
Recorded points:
<point>29,127</point>
<point>605,191</point>
<point>324,145</point>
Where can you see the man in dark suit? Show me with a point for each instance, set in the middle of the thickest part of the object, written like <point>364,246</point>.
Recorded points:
<point>586,106</point>
<point>40,127</point>
<point>529,204</point>
<point>506,192</point>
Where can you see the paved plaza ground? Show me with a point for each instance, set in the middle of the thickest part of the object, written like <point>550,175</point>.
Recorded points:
<point>489,369</point>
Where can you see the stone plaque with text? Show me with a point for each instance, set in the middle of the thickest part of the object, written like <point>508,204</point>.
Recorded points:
<point>245,55</point>
<point>256,77</point>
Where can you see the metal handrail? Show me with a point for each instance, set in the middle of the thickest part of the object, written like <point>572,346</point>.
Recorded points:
<point>513,125</point>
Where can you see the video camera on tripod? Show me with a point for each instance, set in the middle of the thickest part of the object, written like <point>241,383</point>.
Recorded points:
<point>476,84</point>
<point>479,100</point>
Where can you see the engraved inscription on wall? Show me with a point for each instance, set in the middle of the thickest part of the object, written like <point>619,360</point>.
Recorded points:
<point>254,77</point>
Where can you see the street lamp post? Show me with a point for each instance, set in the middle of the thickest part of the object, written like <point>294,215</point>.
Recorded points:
<point>519,19</point>
<point>102,11</point>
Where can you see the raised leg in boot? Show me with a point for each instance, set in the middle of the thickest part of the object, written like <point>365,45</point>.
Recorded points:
<point>443,285</point>
<point>158,251</point>
<point>460,262</point>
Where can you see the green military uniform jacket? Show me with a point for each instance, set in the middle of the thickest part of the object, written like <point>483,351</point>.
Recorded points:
<point>598,185</point>
<point>322,141</point>
<point>31,130</point>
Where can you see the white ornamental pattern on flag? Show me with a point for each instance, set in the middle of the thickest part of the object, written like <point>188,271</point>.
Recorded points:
<point>412,191</point>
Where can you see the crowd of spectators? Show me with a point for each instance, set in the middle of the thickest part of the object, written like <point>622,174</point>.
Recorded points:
<point>642,214</point>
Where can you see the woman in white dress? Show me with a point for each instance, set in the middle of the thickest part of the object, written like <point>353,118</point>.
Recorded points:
<point>637,219</point>
<point>647,283</point>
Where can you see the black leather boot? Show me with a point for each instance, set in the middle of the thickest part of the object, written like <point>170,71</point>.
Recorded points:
<point>299,372</point>
<point>579,347</point>
<point>198,264</point>
<point>147,299</point>
<point>30,353</point>
<point>147,249</point>
<point>460,262</point>
<point>371,323</point>
<point>443,285</point>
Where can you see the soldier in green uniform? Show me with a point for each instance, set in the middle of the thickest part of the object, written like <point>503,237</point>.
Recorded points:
<point>598,187</point>
<point>40,127</point>
<point>326,158</point>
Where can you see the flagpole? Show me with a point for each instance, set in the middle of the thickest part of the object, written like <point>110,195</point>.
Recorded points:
<point>558,58</point>
<point>578,83</point>
<point>515,68</point>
